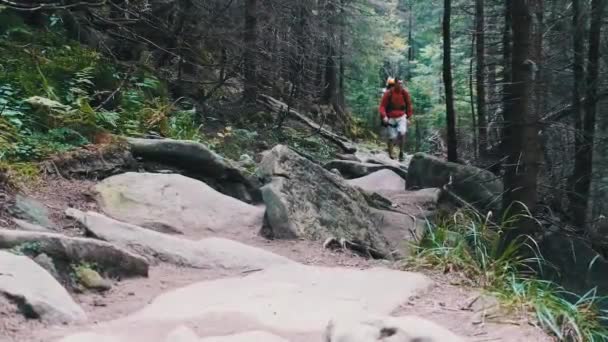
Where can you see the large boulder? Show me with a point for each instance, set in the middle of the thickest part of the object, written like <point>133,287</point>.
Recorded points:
<point>112,259</point>
<point>198,161</point>
<point>303,200</point>
<point>393,329</point>
<point>175,203</point>
<point>352,169</point>
<point>210,253</point>
<point>474,185</point>
<point>296,300</point>
<point>36,292</point>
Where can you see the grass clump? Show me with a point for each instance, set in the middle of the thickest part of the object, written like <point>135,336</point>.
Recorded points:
<point>472,246</point>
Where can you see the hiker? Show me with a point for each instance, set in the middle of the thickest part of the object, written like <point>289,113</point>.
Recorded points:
<point>395,112</point>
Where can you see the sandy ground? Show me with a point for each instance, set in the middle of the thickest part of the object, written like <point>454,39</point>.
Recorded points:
<point>444,304</point>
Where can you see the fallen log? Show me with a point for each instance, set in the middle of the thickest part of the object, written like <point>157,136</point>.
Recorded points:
<point>277,106</point>
<point>198,162</point>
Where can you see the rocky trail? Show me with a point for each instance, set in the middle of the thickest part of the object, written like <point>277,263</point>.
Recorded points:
<point>176,244</point>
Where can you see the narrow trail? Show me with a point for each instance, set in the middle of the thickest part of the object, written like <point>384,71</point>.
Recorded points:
<point>262,290</point>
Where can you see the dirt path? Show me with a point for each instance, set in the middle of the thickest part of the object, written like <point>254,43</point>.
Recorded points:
<point>442,304</point>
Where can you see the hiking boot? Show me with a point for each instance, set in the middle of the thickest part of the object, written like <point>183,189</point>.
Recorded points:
<point>390,153</point>
<point>401,158</point>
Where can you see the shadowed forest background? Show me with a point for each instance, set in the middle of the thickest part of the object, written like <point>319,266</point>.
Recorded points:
<point>514,87</point>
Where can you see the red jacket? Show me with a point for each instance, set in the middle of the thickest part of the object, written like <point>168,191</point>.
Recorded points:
<point>399,101</point>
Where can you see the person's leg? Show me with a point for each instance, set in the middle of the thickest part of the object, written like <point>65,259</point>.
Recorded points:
<point>389,143</point>
<point>402,131</point>
<point>401,142</point>
<point>392,137</point>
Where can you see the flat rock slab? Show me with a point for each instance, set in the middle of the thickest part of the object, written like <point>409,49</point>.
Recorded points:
<point>246,337</point>
<point>393,329</point>
<point>210,253</point>
<point>113,259</point>
<point>414,202</point>
<point>38,294</point>
<point>173,203</point>
<point>295,302</point>
<point>382,180</point>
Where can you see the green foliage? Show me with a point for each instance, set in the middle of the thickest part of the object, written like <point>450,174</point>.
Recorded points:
<point>56,95</point>
<point>85,265</point>
<point>29,249</point>
<point>471,245</point>
<point>232,143</point>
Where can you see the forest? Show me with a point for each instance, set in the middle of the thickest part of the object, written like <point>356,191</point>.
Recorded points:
<point>511,88</point>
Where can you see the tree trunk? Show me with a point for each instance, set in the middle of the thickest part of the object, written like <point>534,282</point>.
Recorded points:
<point>522,161</point>
<point>576,202</point>
<point>584,156</point>
<point>507,87</point>
<point>341,86</point>
<point>249,59</point>
<point>410,60</point>
<point>482,125</point>
<point>447,79</point>
<point>410,39</point>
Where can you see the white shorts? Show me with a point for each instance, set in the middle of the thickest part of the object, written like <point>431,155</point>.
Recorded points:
<point>396,127</point>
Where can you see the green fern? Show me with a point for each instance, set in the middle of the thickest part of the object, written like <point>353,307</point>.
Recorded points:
<point>81,85</point>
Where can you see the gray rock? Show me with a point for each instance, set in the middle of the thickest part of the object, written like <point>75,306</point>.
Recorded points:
<point>246,337</point>
<point>476,186</point>
<point>400,230</point>
<point>379,181</point>
<point>175,203</point>
<point>389,329</point>
<point>111,258</point>
<point>30,227</point>
<point>303,200</point>
<point>352,169</point>
<point>415,202</point>
<point>47,263</point>
<point>31,210</point>
<point>37,293</point>
<point>381,157</point>
<point>211,253</point>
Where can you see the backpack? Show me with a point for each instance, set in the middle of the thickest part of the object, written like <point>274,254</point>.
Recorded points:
<point>389,105</point>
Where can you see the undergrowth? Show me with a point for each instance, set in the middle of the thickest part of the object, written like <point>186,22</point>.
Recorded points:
<point>468,244</point>
<point>57,95</point>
